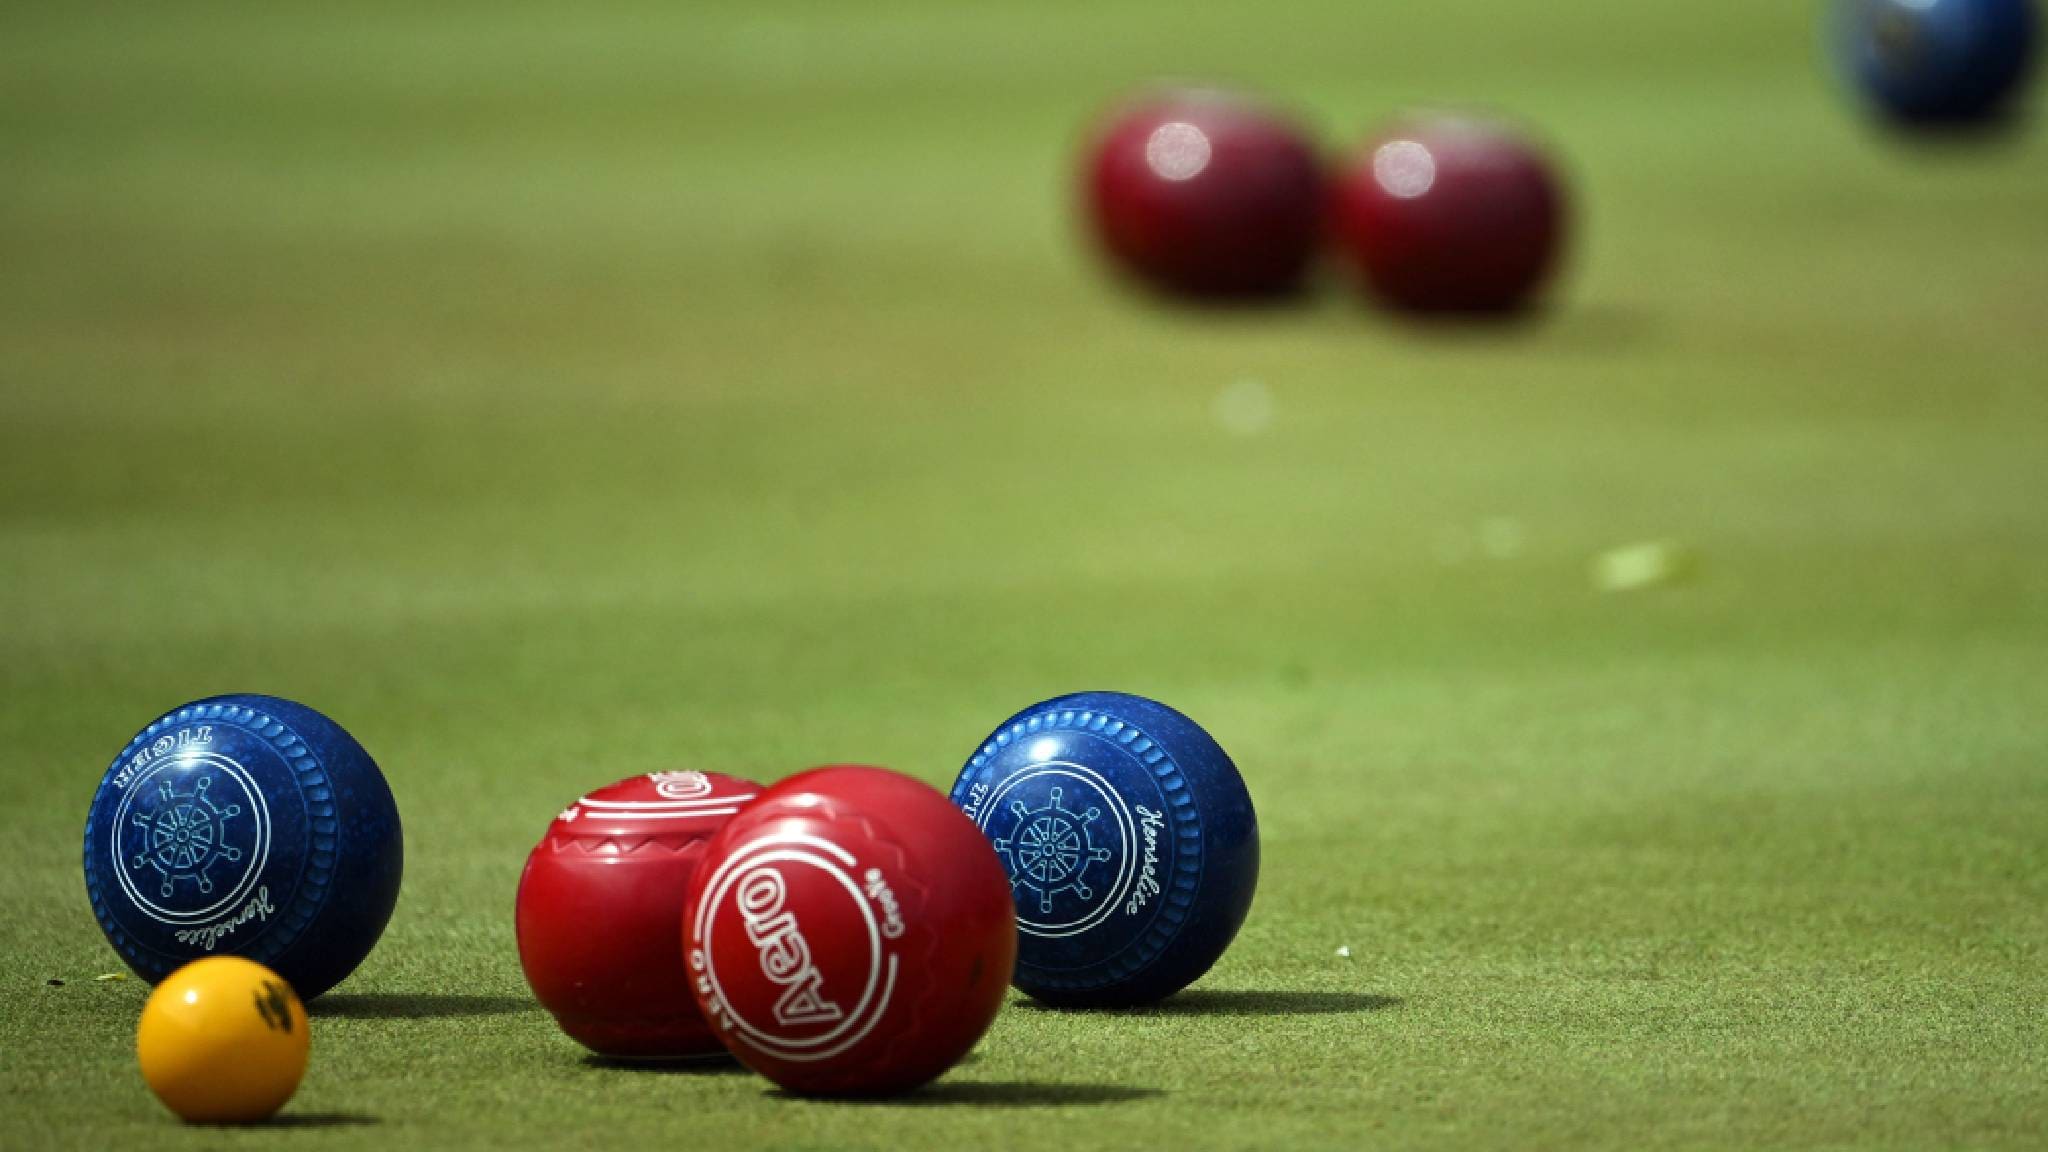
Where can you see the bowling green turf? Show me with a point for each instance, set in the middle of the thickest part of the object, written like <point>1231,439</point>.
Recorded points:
<point>554,393</point>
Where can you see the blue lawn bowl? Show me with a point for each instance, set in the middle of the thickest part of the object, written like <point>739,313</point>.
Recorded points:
<point>1929,63</point>
<point>1130,842</point>
<point>244,825</point>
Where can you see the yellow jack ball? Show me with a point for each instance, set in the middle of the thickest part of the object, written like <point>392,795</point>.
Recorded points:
<point>223,1041</point>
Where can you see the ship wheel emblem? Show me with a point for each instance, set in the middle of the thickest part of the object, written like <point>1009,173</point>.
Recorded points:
<point>1050,849</point>
<point>182,837</point>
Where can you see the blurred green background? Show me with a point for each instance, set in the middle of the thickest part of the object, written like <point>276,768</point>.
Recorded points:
<point>552,393</point>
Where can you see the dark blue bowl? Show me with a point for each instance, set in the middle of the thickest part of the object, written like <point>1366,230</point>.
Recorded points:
<point>1130,842</point>
<point>1936,61</point>
<point>247,825</point>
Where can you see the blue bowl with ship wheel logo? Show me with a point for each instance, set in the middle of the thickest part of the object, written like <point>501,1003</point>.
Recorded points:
<point>1129,839</point>
<point>247,825</point>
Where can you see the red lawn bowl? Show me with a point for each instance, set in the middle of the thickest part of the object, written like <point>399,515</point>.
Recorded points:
<point>1206,194</point>
<point>1450,214</point>
<point>851,933</point>
<point>601,907</point>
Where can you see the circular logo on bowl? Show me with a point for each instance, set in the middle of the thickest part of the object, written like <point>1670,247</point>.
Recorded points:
<point>790,949</point>
<point>1065,836</point>
<point>190,837</point>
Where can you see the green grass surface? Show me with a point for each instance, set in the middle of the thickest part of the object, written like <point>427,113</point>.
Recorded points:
<point>553,397</point>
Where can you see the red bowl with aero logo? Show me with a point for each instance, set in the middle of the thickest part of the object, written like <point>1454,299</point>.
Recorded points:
<point>850,933</point>
<point>599,906</point>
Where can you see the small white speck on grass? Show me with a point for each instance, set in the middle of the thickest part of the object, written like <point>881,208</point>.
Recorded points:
<point>1502,537</point>
<point>1344,952</point>
<point>110,978</point>
<point>1649,564</point>
<point>1244,408</point>
<point>1493,538</point>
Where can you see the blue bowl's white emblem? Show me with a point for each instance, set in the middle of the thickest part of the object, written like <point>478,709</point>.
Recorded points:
<point>191,838</point>
<point>1052,849</point>
<point>184,835</point>
<point>1064,835</point>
